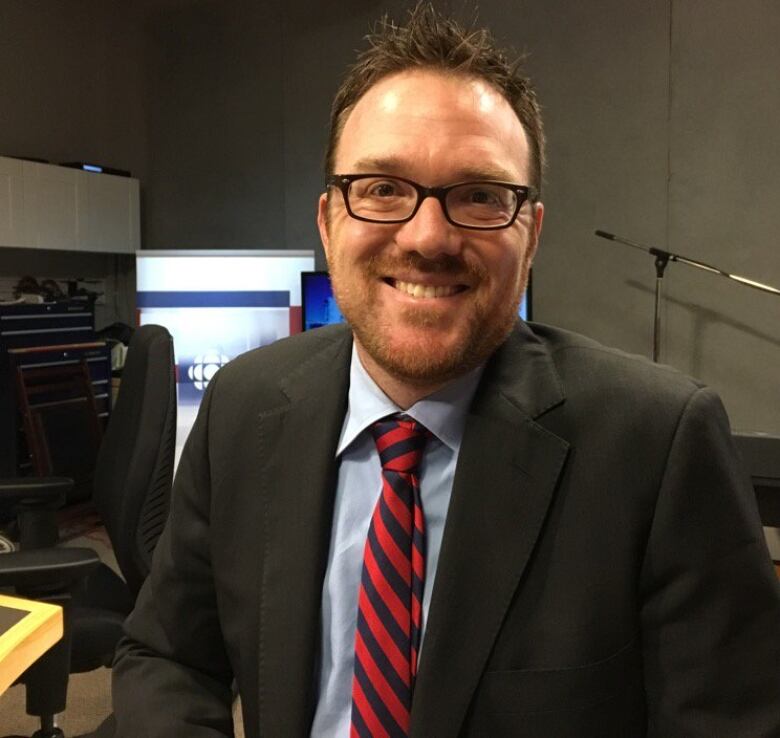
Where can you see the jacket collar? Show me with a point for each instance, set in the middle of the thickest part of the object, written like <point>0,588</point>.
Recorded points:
<point>296,453</point>
<point>507,470</point>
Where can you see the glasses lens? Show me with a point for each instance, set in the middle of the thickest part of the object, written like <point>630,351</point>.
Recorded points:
<point>484,204</point>
<point>382,198</point>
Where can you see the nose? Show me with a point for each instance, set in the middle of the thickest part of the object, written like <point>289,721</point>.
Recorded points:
<point>429,233</point>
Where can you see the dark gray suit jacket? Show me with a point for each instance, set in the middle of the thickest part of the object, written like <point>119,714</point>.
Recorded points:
<point>602,573</point>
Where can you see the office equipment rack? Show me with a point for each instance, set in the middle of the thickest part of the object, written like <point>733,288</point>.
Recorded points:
<point>35,336</point>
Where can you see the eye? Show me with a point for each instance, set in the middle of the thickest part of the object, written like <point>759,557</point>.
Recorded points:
<point>481,203</point>
<point>483,193</point>
<point>480,195</point>
<point>483,197</point>
<point>382,188</point>
<point>381,198</point>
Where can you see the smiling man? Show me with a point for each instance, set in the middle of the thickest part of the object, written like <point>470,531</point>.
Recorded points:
<point>430,285</point>
<point>441,521</point>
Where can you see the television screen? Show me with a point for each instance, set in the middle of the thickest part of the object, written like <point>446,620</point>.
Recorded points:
<point>317,301</point>
<point>319,305</point>
<point>216,305</point>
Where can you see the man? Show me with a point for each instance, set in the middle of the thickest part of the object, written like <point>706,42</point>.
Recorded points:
<point>567,547</point>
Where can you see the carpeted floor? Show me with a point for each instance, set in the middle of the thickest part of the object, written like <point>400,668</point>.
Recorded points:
<point>89,695</point>
<point>89,704</point>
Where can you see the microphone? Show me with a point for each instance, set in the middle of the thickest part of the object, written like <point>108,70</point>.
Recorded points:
<point>649,249</point>
<point>665,256</point>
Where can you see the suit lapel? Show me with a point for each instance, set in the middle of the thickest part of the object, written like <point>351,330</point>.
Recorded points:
<point>297,458</point>
<point>507,471</point>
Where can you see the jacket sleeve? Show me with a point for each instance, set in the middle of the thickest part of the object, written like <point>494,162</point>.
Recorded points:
<point>710,596</point>
<point>171,673</point>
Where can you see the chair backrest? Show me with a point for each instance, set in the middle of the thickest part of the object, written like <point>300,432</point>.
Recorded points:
<point>134,469</point>
<point>61,422</point>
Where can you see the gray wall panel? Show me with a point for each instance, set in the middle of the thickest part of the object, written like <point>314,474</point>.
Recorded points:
<point>601,70</point>
<point>71,83</point>
<point>723,202</point>
<point>215,88</point>
<point>319,44</point>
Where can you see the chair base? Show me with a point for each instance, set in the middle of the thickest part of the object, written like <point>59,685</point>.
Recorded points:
<point>51,733</point>
<point>44,732</point>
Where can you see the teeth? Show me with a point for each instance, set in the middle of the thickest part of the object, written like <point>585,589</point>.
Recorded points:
<point>421,290</point>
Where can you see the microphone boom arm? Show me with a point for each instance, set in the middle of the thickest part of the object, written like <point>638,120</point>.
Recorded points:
<point>662,258</point>
<point>669,256</point>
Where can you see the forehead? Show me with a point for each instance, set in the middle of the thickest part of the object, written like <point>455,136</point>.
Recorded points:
<point>434,124</point>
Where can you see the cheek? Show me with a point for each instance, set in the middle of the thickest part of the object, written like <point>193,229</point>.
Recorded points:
<point>358,242</point>
<point>505,261</point>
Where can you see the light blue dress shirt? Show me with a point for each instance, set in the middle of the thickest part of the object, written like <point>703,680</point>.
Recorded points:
<point>357,491</point>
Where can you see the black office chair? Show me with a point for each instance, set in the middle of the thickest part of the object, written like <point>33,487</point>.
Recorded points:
<point>132,484</point>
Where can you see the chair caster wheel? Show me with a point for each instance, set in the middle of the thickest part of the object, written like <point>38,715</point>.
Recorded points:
<point>48,733</point>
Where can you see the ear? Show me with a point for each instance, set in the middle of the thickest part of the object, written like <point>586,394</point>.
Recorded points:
<point>536,231</point>
<point>538,218</point>
<point>322,223</point>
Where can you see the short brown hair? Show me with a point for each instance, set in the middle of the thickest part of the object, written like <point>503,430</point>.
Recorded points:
<point>433,41</point>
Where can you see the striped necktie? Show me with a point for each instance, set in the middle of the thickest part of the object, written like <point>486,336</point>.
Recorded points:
<point>387,640</point>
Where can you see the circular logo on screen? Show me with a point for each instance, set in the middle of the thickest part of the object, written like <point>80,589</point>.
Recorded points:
<point>204,367</point>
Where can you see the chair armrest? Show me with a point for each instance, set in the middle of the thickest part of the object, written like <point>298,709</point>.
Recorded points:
<point>34,500</point>
<point>35,491</point>
<point>46,569</point>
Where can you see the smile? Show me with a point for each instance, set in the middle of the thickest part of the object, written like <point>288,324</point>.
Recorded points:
<point>425,290</point>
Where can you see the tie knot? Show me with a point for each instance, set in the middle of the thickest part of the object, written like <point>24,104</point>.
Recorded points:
<point>400,441</point>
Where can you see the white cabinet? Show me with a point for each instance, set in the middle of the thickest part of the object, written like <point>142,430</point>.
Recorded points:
<point>110,213</point>
<point>12,225</point>
<point>51,207</point>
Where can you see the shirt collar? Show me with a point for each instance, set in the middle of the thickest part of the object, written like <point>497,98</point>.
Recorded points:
<point>443,413</point>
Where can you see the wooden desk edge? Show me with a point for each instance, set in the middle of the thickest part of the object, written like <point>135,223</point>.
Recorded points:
<point>27,640</point>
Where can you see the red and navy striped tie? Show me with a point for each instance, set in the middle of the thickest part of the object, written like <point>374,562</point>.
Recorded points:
<point>387,640</point>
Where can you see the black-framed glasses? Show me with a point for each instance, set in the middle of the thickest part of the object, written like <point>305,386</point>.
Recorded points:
<point>481,205</point>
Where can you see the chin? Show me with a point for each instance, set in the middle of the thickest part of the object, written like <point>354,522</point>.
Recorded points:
<point>420,356</point>
<point>423,367</point>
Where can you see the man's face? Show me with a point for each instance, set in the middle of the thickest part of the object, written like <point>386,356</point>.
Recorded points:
<point>435,129</point>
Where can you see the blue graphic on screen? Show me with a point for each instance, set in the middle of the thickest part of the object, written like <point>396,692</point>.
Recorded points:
<point>319,304</point>
<point>320,308</point>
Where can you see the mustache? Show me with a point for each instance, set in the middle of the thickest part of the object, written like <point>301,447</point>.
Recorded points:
<point>448,264</point>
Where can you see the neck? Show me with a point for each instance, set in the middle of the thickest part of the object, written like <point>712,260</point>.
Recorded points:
<point>402,392</point>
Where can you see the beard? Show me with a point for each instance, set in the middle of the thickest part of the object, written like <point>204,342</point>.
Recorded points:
<point>428,356</point>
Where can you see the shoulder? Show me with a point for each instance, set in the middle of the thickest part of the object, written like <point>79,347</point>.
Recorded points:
<point>286,354</point>
<point>585,364</point>
<point>599,383</point>
<point>263,372</point>
<point>617,406</point>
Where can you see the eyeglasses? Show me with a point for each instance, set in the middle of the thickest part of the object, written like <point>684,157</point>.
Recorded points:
<point>377,198</point>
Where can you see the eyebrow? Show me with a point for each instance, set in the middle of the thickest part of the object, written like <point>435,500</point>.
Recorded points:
<point>395,165</point>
